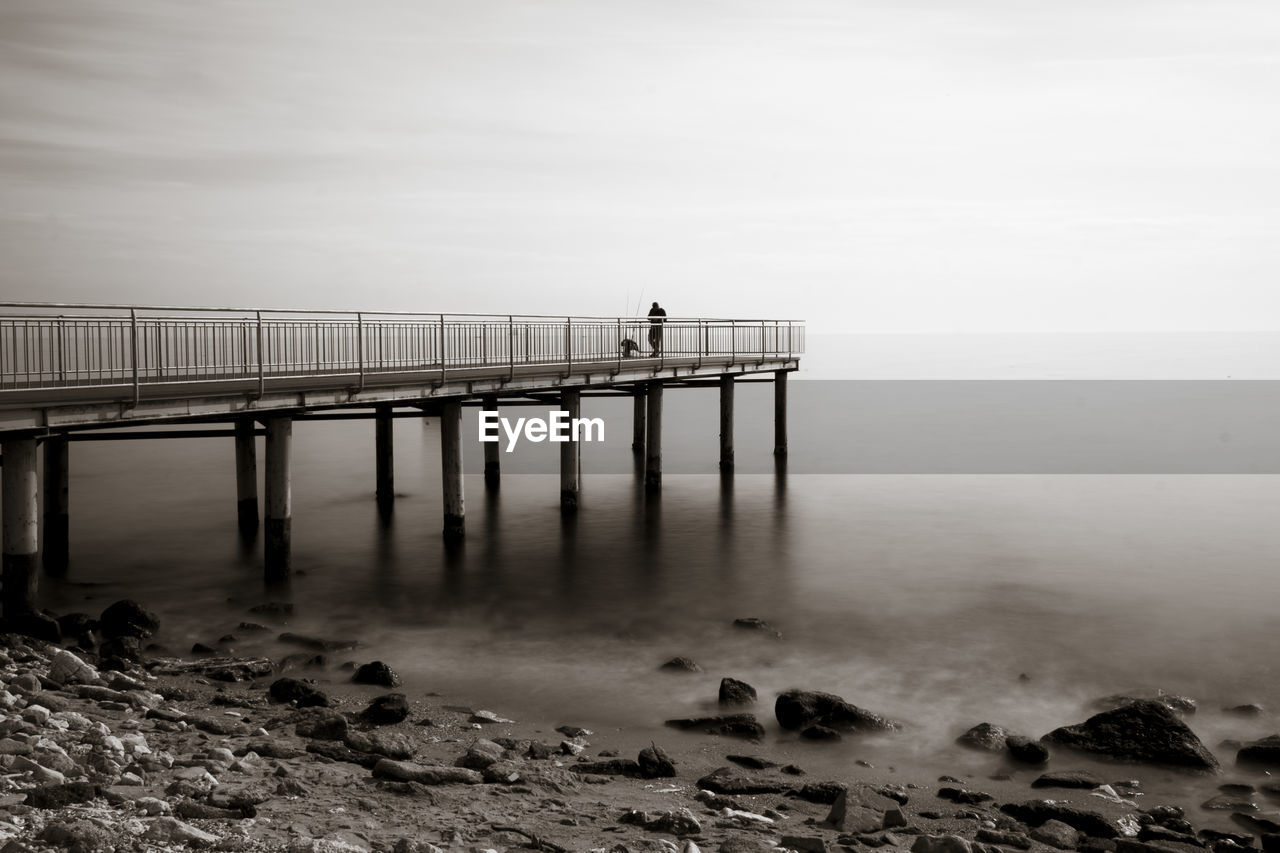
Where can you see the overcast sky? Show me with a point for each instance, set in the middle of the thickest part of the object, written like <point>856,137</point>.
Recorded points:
<point>867,165</point>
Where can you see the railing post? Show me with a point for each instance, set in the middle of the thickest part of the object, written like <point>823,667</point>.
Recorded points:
<point>262,376</point>
<point>443,355</point>
<point>62,350</point>
<point>762,336</point>
<point>733,342</point>
<point>133,345</point>
<point>360,349</point>
<point>511,345</point>
<point>620,336</point>
<point>568,346</point>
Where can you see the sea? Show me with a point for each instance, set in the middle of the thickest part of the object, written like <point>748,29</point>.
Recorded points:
<point>967,528</point>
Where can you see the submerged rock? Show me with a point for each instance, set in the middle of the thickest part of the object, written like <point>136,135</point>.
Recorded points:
<point>1144,731</point>
<point>1184,705</point>
<point>681,664</point>
<point>1068,779</point>
<point>376,673</point>
<point>730,725</point>
<point>734,692</point>
<point>295,690</point>
<point>1025,750</point>
<point>127,618</point>
<point>751,623</point>
<point>984,736</point>
<point>317,643</point>
<point>800,709</point>
<point>654,763</point>
<point>1260,753</point>
<point>386,710</point>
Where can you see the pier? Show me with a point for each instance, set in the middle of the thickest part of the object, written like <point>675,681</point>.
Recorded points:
<point>71,373</point>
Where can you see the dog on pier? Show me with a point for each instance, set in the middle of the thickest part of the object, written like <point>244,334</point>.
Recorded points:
<point>630,348</point>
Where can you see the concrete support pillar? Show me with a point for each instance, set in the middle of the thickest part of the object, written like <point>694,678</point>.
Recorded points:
<point>638,421</point>
<point>492,449</point>
<point>726,423</point>
<point>780,413</point>
<point>278,547</point>
<point>570,454</point>
<point>57,521</point>
<point>653,439</point>
<point>384,450</point>
<point>19,492</point>
<point>246,477</point>
<point>451,469</point>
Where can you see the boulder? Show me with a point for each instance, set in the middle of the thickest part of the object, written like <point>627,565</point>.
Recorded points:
<point>1229,803</point>
<point>964,797</point>
<point>170,830</point>
<point>858,810</point>
<point>322,724</point>
<point>1183,705</point>
<point>655,763</point>
<point>386,744</point>
<point>1057,834</point>
<point>127,618</point>
<point>824,793</point>
<point>58,796</point>
<point>378,674</point>
<point>1143,731</point>
<point>729,780</point>
<point>341,752</point>
<point>66,668</point>
<point>480,755</point>
<point>799,709</point>
<point>730,725</point>
<point>1024,750</point>
<point>295,690</point>
<point>734,693</point>
<point>386,710</point>
<point>681,664</point>
<point>77,836</point>
<point>679,822</point>
<point>1068,779</point>
<point>941,844</point>
<point>609,767</point>
<point>1260,753</point>
<point>751,623</point>
<point>1040,812</point>
<point>987,737</point>
<point>1003,838</point>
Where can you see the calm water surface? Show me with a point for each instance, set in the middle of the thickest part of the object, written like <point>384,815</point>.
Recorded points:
<point>923,597</point>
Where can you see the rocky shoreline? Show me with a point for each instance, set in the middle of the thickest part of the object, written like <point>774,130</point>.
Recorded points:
<point>103,749</point>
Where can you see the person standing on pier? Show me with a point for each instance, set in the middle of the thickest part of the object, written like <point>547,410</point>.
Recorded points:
<point>657,317</point>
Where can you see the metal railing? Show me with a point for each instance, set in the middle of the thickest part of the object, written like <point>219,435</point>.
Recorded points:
<point>47,346</point>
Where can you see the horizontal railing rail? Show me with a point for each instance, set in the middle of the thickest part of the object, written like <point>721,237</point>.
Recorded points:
<point>47,345</point>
